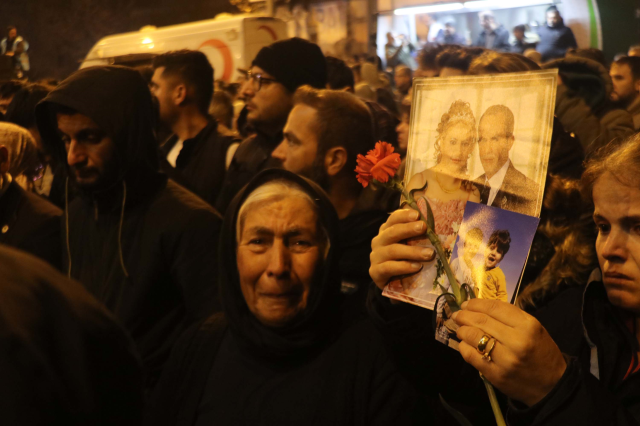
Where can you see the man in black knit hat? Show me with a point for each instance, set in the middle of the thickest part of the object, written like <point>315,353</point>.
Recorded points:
<point>275,74</point>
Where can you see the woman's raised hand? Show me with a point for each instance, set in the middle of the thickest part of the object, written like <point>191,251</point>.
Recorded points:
<point>525,363</point>
<point>389,256</point>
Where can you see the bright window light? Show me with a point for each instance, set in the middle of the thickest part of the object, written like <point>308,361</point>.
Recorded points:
<point>503,4</point>
<point>433,8</point>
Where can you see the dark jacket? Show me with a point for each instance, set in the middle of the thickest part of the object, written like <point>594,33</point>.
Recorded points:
<point>232,370</point>
<point>30,223</point>
<point>144,246</point>
<point>518,193</point>
<point>443,38</point>
<point>583,106</point>
<point>200,166</point>
<point>600,349</point>
<point>64,360</point>
<point>554,41</point>
<point>252,156</point>
<point>521,46</point>
<point>500,43</point>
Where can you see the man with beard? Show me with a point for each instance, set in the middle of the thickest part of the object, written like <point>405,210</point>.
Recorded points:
<point>140,243</point>
<point>625,75</point>
<point>196,152</point>
<point>325,132</point>
<point>275,74</point>
<point>555,37</point>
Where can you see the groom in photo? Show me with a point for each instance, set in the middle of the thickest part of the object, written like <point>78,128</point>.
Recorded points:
<point>502,185</point>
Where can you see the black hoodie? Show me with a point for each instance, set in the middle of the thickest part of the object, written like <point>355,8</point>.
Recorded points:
<point>64,360</point>
<point>232,370</point>
<point>143,245</point>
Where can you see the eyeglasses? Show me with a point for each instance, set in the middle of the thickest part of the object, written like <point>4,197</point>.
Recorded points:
<point>257,80</point>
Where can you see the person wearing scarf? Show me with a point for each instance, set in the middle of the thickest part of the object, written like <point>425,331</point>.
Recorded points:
<point>27,221</point>
<point>278,354</point>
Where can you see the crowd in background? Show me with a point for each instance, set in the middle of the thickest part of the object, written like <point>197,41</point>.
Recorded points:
<point>183,251</point>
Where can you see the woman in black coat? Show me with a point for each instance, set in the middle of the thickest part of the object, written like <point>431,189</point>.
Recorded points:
<point>279,354</point>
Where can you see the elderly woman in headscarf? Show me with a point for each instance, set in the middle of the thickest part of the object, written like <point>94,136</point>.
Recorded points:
<point>278,354</point>
<point>27,221</point>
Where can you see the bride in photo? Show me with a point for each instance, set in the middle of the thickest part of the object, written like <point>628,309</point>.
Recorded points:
<point>447,188</point>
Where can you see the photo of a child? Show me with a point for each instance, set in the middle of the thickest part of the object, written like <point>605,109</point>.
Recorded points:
<point>489,255</point>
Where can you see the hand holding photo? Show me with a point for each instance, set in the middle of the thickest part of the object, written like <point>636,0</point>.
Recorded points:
<point>489,255</point>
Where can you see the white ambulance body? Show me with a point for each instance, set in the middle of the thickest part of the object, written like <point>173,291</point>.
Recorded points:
<point>230,43</point>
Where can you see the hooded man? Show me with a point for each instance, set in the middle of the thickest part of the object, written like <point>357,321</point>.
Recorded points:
<point>275,74</point>
<point>142,244</point>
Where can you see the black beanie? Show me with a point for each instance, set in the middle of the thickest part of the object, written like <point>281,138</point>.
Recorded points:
<point>294,62</point>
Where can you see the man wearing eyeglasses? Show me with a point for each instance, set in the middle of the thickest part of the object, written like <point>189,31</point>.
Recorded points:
<point>275,74</point>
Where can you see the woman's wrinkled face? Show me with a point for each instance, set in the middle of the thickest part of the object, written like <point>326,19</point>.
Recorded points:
<point>617,218</point>
<point>278,252</point>
<point>456,145</point>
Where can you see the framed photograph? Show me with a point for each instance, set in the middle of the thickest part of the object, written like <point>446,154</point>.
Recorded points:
<point>474,139</point>
<point>489,254</point>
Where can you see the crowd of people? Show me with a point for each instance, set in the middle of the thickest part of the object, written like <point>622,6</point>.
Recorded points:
<point>181,251</point>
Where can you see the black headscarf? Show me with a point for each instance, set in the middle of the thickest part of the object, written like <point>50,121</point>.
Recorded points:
<point>118,100</point>
<point>319,321</point>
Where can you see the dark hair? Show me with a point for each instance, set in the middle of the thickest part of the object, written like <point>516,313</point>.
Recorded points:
<point>520,28</point>
<point>339,75</point>
<point>589,53</point>
<point>458,57</point>
<point>566,223</point>
<point>10,87</point>
<point>621,159</point>
<point>222,108</point>
<point>491,62</point>
<point>427,56</point>
<point>386,99</point>
<point>230,89</point>
<point>343,120</point>
<point>633,62</point>
<point>501,239</point>
<point>146,71</point>
<point>194,69</point>
<point>552,9</point>
<point>22,109</point>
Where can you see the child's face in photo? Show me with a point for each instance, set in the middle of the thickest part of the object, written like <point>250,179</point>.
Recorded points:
<point>492,256</point>
<point>471,248</point>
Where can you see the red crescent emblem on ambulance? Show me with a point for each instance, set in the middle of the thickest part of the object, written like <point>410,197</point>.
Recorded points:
<point>226,56</point>
<point>269,30</point>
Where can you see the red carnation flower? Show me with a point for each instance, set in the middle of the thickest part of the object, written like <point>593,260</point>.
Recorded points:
<point>381,164</point>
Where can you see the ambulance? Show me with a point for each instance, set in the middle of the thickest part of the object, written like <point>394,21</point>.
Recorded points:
<point>230,42</point>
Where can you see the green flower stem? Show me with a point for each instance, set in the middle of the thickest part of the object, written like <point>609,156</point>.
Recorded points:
<point>455,286</point>
<point>494,402</point>
<point>435,241</point>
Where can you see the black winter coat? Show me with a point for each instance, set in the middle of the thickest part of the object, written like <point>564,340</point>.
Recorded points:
<point>142,245</point>
<point>30,223</point>
<point>232,370</point>
<point>200,167</point>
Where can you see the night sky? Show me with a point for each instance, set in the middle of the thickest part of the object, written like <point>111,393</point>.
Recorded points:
<point>61,32</point>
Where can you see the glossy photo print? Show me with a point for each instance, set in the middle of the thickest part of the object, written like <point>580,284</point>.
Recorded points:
<point>480,139</point>
<point>489,255</point>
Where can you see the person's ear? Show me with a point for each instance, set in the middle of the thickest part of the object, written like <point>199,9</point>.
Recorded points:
<point>512,139</point>
<point>4,159</point>
<point>179,94</point>
<point>335,160</point>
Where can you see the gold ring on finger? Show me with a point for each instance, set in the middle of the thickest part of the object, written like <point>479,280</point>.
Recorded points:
<point>482,344</point>
<point>487,355</point>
